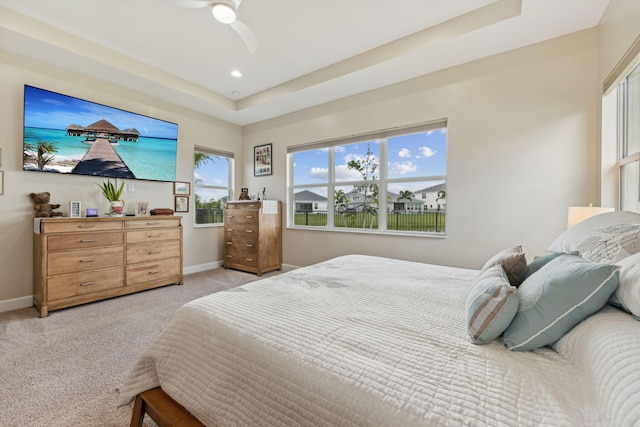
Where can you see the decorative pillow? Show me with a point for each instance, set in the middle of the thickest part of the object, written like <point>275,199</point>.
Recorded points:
<point>513,262</point>
<point>491,305</point>
<point>541,261</point>
<point>627,295</point>
<point>605,238</point>
<point>557,297</point>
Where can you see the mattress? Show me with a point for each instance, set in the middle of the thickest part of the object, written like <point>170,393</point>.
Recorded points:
<point>368,341</point>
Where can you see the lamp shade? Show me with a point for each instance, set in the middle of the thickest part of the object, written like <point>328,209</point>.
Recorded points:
<point>580,213</point>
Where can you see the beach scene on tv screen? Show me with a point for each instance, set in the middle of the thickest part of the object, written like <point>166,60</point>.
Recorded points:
<point>63,134</point>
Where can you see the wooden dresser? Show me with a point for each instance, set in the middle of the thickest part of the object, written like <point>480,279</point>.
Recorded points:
<point>80,260</point>
<point>253,236</point>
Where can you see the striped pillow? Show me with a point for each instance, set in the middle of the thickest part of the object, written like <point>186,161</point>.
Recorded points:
<point>491,305</point>
<point>558,296</point>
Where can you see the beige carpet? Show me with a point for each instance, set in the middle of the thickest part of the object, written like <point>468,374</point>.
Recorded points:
<point>64,370</point>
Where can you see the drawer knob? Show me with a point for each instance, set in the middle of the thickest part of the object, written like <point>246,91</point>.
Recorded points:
<point>249,217</point>
<point>88,283</point>
<point>229,243</point>
<point>249,259</point>
<point>87,240</point>
<point>153,223</point>
<point>154,272</point>
<point>88,260</point>
<point>229,229</point>
<point>229,216</point>
<point>153,235</point>
<point>249,231</point>
<point>249,246</point>
<point>229,256</point>
<point>153,252</point>
<point>87,226</point>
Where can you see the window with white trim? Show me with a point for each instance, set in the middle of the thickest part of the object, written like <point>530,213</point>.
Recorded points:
<point>629,140</point>
<point>386,181</point>
<point>213,184</point>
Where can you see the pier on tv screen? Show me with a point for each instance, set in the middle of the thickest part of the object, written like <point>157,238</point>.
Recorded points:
<point>67,135</point>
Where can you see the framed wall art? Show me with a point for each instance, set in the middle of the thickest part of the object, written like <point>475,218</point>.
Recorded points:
<point>262,159</point>
<point>182,188</point>
<point>182,204</point>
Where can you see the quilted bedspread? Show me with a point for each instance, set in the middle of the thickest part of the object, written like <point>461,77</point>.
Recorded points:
<point>367,341</point>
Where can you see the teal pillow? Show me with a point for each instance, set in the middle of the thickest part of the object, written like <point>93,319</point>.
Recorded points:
<point>541,261</point>
<point>557,297</point>
<point>491,305</point>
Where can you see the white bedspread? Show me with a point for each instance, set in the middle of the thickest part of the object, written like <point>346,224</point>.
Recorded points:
<point>363,341</point>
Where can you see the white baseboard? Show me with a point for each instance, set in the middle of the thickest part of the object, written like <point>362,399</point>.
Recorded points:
<point>201,267</point>
<point>16,303</point>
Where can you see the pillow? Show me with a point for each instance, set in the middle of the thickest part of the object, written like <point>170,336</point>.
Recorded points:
<point>557,297</point>
<point>605,238</point>
<point>491,305</point>
<point>627,295</point>
<point>541,261</point>
<point>513,262</point>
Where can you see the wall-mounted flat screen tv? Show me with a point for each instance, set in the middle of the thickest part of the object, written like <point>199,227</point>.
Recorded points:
<point>63,134</point>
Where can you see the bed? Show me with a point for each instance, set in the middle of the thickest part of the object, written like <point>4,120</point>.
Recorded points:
<point>368,341</point>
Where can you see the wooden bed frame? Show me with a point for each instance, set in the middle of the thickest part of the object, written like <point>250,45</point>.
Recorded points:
<point>162,409</point>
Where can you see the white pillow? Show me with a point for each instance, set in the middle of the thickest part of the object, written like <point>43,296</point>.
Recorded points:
<point>628,293</point>
<point>605,238</point>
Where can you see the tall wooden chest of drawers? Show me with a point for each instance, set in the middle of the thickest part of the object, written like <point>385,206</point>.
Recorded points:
<point>80,260</point>
<point>253,236</point>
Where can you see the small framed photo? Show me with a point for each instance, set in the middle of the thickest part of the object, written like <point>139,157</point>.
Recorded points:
<point>182,188</point>
<point>142,209</point>
<point>74,209</point>
<point>182,204</point>
<point>262,159</point>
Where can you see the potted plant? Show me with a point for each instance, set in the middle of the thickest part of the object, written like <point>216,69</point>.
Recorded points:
<point>116,206</point>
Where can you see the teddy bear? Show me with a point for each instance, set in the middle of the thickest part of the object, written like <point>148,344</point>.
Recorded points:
<point>42,206</point>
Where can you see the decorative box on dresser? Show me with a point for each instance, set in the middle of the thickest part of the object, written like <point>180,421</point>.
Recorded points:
<point>81,260</point>
<point>253,236</point>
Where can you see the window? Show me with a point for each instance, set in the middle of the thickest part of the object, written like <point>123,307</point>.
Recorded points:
<point>629,140</point>
<point>387,181</point>
<point>213,183</point>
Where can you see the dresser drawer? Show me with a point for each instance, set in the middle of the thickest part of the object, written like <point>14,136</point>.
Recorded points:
<point>241,217</point>
<point>71,226</point>
<point>151,223</point>
<point>70,285</point>
<point>240,230</point>
<point>143,252</point>
<point>84,260</point>
<point>246,206</point>
<point>153,271</point>
<point>248,245</point>
<point>84,240</point>
<point>241,257</point>
<point>153,235</point>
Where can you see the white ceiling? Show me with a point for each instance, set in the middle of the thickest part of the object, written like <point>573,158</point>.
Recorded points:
<point>309,52</point>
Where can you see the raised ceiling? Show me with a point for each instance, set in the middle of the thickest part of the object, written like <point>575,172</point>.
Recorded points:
<point>309,52</point>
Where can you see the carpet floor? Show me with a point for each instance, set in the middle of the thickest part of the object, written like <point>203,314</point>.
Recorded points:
<point>64,370</point>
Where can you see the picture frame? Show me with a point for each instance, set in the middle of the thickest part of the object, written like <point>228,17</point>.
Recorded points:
<point>181,204</point>
<point>142,209</point>
<point>262,160</point>
<point>1,182</point>
<point>74,209</point>
<point>182,188</point>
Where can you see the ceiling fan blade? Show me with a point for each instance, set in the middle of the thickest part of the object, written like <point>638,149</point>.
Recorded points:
<point>191,4</point>
<point>245,34</point>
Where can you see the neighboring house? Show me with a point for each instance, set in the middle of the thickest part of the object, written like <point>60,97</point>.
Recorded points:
<point>429,196</point>
<point>308,201</point>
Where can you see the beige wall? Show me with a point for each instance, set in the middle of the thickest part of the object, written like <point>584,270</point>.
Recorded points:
<point>522,147</point>
<point>203,246</point>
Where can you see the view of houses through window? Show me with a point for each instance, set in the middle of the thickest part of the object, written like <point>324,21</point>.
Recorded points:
<point>212,178</point>
<point>389,181</point>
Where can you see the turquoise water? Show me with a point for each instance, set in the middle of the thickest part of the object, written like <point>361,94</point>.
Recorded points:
<point>148,158</point>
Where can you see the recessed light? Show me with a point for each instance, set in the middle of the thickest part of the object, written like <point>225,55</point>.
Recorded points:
<point>235,93</point>
<point>237,74</point>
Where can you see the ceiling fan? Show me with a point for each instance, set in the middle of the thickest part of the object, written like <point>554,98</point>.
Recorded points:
<point>226,11</point>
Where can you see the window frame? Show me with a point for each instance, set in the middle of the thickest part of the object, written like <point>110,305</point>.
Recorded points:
<point>383,181</point>
<point>231,162</point>
<point>624,157</point>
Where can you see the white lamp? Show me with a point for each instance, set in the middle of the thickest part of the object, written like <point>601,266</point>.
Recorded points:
<point>580,213</point>
<point>223,13</point>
